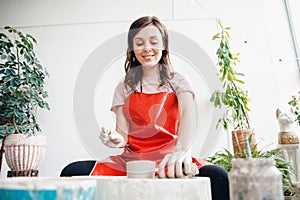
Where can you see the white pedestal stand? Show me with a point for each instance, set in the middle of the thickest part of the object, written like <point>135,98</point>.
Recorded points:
<point>292,155</point>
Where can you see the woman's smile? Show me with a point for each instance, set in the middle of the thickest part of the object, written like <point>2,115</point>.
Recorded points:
<point>148,56</point>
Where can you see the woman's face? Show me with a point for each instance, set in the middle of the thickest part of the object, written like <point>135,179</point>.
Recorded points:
<point>148,46</point>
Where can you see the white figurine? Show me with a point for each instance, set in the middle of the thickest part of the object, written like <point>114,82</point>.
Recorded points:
<point>285,121</point>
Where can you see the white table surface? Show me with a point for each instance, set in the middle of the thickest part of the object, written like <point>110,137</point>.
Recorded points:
<point>123,188</point>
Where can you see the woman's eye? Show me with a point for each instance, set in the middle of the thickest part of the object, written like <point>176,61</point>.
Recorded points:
<point>153,42</point>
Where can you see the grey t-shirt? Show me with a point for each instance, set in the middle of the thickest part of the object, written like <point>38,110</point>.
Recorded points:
<point>178,82</point>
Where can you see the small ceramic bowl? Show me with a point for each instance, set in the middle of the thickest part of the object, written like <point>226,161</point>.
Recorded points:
<point>140,169</point>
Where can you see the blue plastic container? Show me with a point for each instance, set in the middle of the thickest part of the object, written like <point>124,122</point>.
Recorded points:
<point>33,188</point>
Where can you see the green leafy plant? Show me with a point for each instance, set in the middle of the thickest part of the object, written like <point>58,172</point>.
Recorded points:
<point>223,158</point>
<point>22,79</point>
<point>232,96</point>
<point>235,100</point>
<point>294,104</point>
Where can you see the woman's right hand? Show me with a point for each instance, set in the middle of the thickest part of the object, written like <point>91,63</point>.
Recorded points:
<point>111,138</point>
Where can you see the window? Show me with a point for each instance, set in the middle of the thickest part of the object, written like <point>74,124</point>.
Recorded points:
<point>294,19</point>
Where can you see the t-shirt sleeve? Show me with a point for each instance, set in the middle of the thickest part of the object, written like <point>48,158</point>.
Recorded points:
<point>180,84</point>
<point>119,96</point>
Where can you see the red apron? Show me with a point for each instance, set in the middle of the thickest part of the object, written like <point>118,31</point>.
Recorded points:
<point>153,125</point>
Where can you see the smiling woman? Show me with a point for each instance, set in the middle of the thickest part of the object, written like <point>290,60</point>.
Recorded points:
<point>93,91</point>
<point>155,115</point>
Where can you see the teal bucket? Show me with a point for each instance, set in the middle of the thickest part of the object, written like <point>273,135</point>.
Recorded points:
<point>33,188</point>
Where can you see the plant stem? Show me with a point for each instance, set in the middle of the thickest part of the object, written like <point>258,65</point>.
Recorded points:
<point>15,124</point>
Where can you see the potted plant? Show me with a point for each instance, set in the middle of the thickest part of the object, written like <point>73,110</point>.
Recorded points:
<point>223,158</point>
<point>232,96</point>
<point>236,116</point>
<point>22,92</point>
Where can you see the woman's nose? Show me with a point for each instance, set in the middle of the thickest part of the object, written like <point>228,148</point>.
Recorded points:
<point>147,47</point>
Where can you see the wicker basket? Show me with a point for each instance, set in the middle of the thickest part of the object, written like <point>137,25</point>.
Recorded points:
<point>23,153</point>
<point>239,140</point>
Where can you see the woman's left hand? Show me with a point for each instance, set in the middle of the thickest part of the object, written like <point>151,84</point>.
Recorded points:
<point>178,164</point>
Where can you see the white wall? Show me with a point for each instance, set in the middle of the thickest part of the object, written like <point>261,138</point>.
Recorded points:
<point>68,32</point>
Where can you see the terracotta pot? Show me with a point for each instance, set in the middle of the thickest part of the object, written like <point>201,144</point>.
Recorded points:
<point>23,153</point>
<point>239,140</point>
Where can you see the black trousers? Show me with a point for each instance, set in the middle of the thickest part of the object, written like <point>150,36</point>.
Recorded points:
<point>218,176</point>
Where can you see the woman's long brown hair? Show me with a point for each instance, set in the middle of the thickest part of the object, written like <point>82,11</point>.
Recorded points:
<point>133,68</point>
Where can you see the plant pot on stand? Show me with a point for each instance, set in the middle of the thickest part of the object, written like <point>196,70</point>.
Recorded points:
<point>24,154</point>
<point>22,93</point>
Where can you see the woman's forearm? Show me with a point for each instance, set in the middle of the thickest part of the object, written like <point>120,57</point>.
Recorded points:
<point>187,127</point>
<point>121,125</point>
